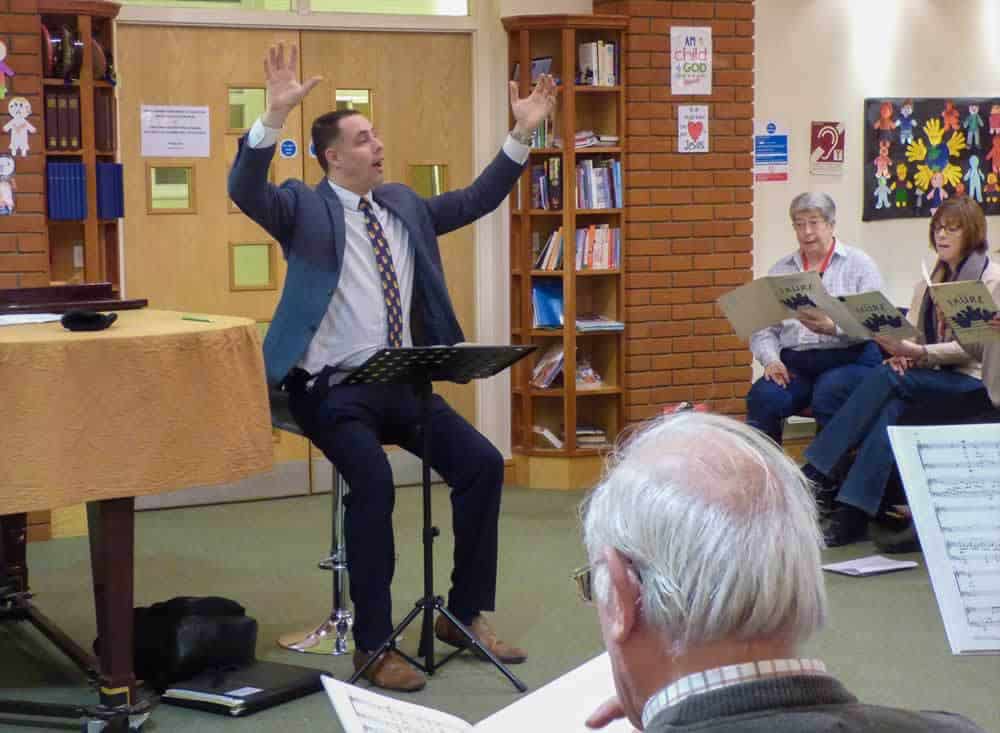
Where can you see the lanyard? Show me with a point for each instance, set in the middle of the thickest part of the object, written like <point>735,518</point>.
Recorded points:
<point>824,264</point>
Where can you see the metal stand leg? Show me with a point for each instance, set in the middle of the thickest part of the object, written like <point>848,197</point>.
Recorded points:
<point>330,637</point>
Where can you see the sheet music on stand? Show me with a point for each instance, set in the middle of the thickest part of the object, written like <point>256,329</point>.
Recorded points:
<point>951,475</point>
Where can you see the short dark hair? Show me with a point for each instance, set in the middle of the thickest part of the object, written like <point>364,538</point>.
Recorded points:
<point>326,130</point>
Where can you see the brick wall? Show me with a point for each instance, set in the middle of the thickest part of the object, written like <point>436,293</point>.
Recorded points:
<point>24,259</point>
<point>689,218</point>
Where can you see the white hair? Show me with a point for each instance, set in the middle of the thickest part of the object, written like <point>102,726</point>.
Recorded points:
<point>720,525</point>
<point>814,201</point>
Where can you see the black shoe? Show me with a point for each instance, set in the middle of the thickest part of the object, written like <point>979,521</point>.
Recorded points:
<point>846,525</point>
<point>824,489</point>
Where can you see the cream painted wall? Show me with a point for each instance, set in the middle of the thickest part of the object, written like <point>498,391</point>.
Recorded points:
<point>818,60</point>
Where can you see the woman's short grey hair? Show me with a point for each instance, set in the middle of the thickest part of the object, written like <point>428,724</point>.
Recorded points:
<point>720,525</point>
<point>814,201</point>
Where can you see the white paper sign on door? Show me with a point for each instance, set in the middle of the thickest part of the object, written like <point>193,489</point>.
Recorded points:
<point>174,132</point>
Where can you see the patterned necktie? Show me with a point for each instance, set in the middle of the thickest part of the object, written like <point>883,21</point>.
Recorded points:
<point>386,274</point>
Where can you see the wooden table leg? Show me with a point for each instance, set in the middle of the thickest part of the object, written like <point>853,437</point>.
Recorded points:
<point>112,544</point>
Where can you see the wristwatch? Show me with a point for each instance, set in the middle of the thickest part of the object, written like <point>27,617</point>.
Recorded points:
<point>522,137</point>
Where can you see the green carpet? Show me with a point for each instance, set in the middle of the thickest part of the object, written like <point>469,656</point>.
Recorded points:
<point>885,639</point>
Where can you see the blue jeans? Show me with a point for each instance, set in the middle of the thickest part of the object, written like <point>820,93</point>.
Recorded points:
<point>864,420</point>
<point>822,379</point>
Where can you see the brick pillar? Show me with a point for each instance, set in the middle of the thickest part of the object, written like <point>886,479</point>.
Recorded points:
<point>689,216</point>
<point>24,259</point>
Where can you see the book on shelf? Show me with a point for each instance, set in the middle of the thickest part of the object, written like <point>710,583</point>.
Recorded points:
<point>767,301</point>
<point>110,191</point>
<point>596,322</point>
<point>547,302</point>
<point>590,436</point>
<point>546,184</point>
<point>540,65</point>
<point>547,435</point>
<point>590,139</point>
<point>66,190</point>
<point>597,63</point>
<point>599,183</point>
<point>968,307</point>
<point>549,256</point>
<point>548,367</point>
<point>598,247</point>
<point>586,376</point>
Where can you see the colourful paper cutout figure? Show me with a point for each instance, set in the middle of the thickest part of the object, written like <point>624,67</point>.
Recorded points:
<point>937,194</point>
<point>18,125</point>
<point>7,186</point>
<point>992,189</point>
<point>901,187</point>
<point>885,124</point>
<point>882,162</point>
<point>906,122</point>
<point>972,123</point>
<point>936,157</point>
<point>995,119</point>
<point>5,70</point>
<point>994,154</point>
<point>919,200</point>
<point>950,116</point>
<point>975,178</point>
<point>882,192</point>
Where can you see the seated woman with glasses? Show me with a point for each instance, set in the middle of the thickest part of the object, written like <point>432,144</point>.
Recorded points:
<point>916,371</point>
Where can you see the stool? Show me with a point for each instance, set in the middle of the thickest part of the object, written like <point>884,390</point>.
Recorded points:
<point>330,637</point>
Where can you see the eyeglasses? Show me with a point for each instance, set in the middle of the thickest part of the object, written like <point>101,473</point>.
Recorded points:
<point>584,579</point>
<point>950,228</point>
<point>800,224</point>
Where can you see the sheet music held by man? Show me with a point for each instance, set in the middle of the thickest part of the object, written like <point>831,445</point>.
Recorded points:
<point>968,306</point>
<point>767,301</point>
<point>561,706</point>
<point>952,479</point>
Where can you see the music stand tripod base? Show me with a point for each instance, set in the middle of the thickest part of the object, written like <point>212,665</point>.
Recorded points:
<point>421,366</point>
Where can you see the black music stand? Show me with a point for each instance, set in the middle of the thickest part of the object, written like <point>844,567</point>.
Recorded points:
<point>420,366</point>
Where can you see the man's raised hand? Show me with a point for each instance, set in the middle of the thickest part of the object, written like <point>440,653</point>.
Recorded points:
<point>530,111</point>
<point>284,91</point>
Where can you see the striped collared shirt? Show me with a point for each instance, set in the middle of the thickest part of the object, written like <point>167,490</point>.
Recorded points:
<point>850,271</point>
<point>720,677</point>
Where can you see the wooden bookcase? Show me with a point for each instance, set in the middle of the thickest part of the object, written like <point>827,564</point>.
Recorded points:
<point>564,408</point>
<point>86,20</point>
<point>83,250</point>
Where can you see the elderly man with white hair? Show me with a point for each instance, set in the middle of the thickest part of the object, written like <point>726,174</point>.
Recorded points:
<point>808,361</point>
<point>704,555</point>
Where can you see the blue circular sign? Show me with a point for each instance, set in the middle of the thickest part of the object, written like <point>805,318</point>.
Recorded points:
<point>289,148</point>
<point>771,128</point>
<point>312,150</point>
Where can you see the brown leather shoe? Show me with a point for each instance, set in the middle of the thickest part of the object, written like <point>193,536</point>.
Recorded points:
<point>390,672</point>
<point>446,631</point>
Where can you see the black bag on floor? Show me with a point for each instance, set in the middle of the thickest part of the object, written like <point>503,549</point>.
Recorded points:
<point>178,639</point>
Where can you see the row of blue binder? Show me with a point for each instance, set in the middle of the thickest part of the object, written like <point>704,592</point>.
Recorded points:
<point>66,186</point>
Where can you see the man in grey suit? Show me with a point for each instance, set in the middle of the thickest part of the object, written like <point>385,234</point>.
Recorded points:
<point>364,273</point>
<point>704,552</point>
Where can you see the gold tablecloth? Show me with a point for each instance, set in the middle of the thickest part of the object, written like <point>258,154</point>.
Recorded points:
<point>152,404</point>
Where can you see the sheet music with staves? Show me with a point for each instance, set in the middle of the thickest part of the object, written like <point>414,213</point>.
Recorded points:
<point>951,475</point>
